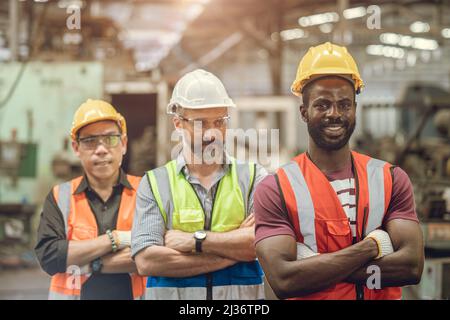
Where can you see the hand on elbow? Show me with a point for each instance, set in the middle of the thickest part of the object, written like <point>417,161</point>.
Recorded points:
<point>282,288</point>
<point>249,256</point>
<point>144,267</point>
<point>415,274</point>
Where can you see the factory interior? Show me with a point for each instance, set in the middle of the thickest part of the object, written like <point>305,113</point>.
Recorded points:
<point>56,54</point>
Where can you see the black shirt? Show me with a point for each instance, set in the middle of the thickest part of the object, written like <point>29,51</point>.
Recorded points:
<point>52,244</point>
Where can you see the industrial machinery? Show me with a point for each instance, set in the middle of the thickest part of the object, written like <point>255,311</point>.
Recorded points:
<point>65,165</point>
<point>17,159</point>
<point>421,146</point>
<point>34,121</point>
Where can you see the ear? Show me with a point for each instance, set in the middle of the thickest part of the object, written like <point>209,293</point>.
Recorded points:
<point>304,113</point>
<point>76,148</point>
<point>124,140</point>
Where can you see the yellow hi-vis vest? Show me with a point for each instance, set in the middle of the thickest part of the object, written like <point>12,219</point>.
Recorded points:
<point>182,210</point>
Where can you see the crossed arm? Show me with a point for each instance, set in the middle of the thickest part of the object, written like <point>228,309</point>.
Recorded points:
<point>405,265</point>
<point>82,252</point>
<point>219,250</point>
<point>290,277</point>
<point>56,253</point>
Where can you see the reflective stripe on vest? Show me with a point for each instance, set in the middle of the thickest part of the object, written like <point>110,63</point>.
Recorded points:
<point>66,286</point>
<point>319,220</point>
<point>64,195</point>
<point>305,207</point>
<point>375,181</point>
<point>243,281</point>
<point>230,292</point>
<point>53,295</point>
<point>182,210</point>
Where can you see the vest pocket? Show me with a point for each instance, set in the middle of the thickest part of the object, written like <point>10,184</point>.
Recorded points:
<point>83,232</point>
<point>190,220</point>
<point>338,234</point>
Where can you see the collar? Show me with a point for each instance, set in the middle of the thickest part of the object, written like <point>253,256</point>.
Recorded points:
<point>181,163</point>
<point>123,181</point>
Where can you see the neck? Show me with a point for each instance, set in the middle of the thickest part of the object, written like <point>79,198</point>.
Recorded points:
<point>329,160</point>
<point>197,167</point>
<point>103,185</point>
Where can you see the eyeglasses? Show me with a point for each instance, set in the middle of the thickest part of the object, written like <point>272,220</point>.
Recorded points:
<point>216,123</point>
<point>92,142</point>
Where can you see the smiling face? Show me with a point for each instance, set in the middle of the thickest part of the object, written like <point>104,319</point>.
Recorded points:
<point>103,161</point>
<point>329,110</point>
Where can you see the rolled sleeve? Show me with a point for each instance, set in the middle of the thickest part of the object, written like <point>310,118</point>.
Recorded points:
<point>52,245</point>
<point>148,224</point>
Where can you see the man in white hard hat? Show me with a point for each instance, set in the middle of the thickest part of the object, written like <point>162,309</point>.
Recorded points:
<point>193,232</point>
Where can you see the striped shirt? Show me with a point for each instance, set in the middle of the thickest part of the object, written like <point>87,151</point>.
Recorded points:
<point>346,192</point>
<point>148,224</point>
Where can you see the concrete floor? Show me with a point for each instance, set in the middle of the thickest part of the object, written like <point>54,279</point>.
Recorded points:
<point>24,284</point>
<point>33,283</point>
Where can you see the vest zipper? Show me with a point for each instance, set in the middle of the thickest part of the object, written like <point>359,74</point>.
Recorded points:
<point>358,287</point>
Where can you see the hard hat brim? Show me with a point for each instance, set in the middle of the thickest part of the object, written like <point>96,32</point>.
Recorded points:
<point>297,86</point>
<point>114,119</point>
<point>207,106</point>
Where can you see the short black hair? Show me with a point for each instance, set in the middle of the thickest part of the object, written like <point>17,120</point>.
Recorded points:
<point>306,92</point>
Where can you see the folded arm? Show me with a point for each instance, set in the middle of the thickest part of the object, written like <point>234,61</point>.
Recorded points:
<point>236,244</point>
<point>404,266</point>
<point>166,262</point>
<point>290,277</point>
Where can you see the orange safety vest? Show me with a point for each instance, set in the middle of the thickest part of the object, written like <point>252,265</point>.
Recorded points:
<point>320,221</point>
<point>80,224</point>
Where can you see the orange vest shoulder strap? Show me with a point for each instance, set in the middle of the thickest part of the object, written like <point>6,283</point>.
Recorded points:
<point>375,188</point>
<point>134,181</point>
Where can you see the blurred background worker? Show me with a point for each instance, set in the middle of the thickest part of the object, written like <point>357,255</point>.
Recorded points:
<point>84,233</point>
<point>332,212</point>
<point>193,232</point>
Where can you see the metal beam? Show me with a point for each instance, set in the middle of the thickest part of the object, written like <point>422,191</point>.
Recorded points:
<point>215,53</point>
<point>14,29</point>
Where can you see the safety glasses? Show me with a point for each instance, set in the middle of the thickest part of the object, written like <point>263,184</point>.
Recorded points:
<point>216,123</point>
<point>92,142</point>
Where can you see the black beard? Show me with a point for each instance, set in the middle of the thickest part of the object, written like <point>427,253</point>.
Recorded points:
<point>318,137</point>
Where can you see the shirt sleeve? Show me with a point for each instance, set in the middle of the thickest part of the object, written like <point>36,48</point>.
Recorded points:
<point>271,219</point>
<point>402,205</point>
<point>52,245</point>
<point>260,174</point>
<point>148,223</point>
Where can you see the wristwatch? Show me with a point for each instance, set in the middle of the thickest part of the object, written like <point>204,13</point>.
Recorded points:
<point>199,237</point>
<point>96,265</point>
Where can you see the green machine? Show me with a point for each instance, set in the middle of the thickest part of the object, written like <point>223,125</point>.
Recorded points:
<point>37,102</point>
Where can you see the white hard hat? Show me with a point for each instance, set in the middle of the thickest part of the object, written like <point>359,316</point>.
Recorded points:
<point>197,90</point>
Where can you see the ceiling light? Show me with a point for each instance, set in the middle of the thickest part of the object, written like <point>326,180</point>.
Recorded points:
<point>419,27</point>
<point>318,19</point>
<point>353,13</point>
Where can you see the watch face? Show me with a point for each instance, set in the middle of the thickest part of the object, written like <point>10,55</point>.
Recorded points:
<point>200,235</point>
<point>96,265</point>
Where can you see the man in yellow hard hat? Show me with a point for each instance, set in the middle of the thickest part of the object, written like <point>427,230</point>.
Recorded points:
<point>84,233</point>
<point>333,223</point>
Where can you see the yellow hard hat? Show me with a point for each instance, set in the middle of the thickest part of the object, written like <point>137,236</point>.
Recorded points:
<point>326,59</point>
<point>93,111</point>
